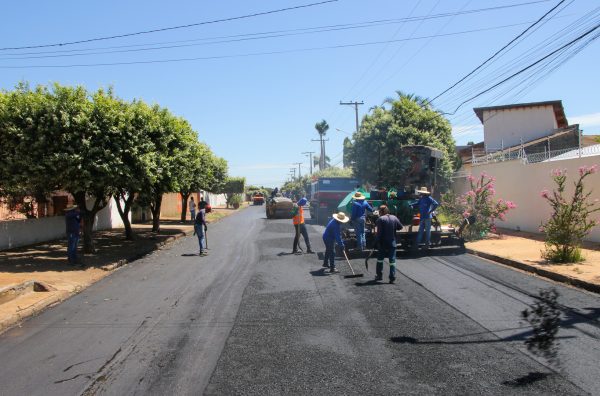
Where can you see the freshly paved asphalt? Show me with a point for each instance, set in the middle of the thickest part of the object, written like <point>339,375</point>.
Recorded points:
<point>252,319</point>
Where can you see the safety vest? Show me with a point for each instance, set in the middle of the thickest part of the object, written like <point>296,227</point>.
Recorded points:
<point>299,216</point>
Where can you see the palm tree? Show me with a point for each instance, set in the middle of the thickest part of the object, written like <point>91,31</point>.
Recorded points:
<point>322,128</point>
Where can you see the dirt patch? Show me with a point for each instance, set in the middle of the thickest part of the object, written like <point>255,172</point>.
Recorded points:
<point>527,248</point>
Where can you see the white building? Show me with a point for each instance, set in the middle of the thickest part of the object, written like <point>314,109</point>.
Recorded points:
<point>511,125</point>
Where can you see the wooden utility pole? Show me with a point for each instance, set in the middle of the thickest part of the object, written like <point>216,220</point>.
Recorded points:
<point>310,159</point>
<point>299,171</point>
<point>355,104</point>
<point>322,158</point>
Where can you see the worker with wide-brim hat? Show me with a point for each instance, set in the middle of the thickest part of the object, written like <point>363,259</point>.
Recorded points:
<point>332,234</point>
<point>358,217</point>
<point>427,206</point>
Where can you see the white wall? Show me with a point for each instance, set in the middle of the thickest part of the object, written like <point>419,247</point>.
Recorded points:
<point>507,127</point>
<point>15,233</point>
<point>215,199</point>
<point>523,183</point>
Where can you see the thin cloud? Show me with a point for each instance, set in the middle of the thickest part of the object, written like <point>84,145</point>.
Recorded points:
<point>261,166</point>
<point>586,120</point>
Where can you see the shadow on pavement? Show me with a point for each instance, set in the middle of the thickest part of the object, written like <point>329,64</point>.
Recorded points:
<point>320,272</point>
<point>110,245</point>
<point>525,380</point>
<point>369,283</point>
<point>189,255</point>
<point>448,340</point>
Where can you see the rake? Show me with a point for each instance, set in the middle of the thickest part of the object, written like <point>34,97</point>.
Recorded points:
<point>354,275</point>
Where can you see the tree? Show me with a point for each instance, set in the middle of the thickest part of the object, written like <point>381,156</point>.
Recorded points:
<point>347,153</point>
<point>409,121</point>
<point>317,161</point>
<point>233,186</point>
<point>322,128</point>
<point>137,155</point>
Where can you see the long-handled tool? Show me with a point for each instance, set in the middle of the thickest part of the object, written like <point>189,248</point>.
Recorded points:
<point>354,275</point>
<point>206,239</point>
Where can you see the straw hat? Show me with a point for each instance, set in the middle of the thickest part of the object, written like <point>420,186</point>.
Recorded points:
<point>70,207</point>
<point>423,190</point>
<point>358,196</point>
<point>341,217</point>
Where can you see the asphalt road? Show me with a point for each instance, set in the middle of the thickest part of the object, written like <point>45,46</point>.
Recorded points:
<point>252,319</point>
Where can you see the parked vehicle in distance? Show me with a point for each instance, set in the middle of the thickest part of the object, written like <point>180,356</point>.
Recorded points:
<point>326,193</point>
<point>258,198</point>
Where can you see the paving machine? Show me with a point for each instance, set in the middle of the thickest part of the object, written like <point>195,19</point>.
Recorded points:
<point>421,172</point>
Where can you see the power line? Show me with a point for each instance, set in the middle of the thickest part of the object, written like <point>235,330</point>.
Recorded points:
<point>170,28</point>
<point>260,53</point>
<point>531,65</point>
<point>248,36</point>
<point>499,51</point>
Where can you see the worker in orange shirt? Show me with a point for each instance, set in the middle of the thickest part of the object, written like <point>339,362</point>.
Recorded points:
<point>300,227</point>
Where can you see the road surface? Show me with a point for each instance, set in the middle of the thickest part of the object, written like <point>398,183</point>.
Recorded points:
<point>251,318</point>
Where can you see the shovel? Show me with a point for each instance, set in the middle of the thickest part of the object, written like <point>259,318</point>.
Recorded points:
<point>354,275</point>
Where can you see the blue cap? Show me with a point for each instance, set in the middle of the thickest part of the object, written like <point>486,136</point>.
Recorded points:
<point>302,202</point>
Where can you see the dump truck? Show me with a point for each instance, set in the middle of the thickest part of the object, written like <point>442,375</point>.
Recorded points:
<point>325,195</point>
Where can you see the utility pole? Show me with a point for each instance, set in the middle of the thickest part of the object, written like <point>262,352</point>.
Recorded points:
<point>355,104</point>
<point>293,173</point>
<point>322,158</point>
<point>310,159</point>
<point>299,171</point>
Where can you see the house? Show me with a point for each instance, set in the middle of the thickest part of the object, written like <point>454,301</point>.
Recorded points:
<point>515,124</point>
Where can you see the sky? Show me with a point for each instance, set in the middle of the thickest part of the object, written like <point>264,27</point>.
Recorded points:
<point>254,87</point>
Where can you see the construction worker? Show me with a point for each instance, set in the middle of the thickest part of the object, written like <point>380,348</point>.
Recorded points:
<point>358,217</point>
<point>387,225</point>
<point>200,227</point>
<point>300,227</point>
<point>427,206</point>
<point>332,234</point>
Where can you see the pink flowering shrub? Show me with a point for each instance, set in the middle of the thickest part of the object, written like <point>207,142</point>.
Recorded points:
<point>571,218</point>
<point>480,202</point>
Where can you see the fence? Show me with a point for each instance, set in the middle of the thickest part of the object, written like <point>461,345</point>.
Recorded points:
<point>532,158</point>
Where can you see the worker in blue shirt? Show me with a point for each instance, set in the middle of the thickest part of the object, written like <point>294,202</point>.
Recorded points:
<point>332,234</point>
<point>427,206</point>
<point>359,209</point>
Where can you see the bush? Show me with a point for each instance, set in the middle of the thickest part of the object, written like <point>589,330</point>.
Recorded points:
<point>571,218</point>
<point>235,201</point>
<point>479,201</point>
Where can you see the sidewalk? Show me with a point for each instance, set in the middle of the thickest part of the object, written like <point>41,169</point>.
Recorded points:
<point>35,277</point>
<point>522,250</point>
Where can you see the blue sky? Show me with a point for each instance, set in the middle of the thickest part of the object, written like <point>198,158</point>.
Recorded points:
<point>255,102</point>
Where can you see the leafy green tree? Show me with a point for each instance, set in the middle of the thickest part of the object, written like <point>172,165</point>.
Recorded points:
<point>410,121</point>
<point>137,156</point>
<point>23,141</point>
<point>347,154</point>
<point>232,187</point>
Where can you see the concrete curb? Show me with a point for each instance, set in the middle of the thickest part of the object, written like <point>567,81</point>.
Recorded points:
<point>34,309</point>
<point>137,256</point>
<point>538,271</point>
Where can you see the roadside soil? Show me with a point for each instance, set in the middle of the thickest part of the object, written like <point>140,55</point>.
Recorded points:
<point>46,264</point>
<point>527,247</point>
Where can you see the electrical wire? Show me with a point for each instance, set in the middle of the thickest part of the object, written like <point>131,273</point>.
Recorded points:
<point>531,65</point>
<point>499,51</point>
<point>104,38</point>
<point>351,45</point>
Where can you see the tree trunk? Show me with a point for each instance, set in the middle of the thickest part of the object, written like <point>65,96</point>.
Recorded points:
<point>124,213</point>
<point>89,217</point>
<point>184,198</point>
<point>155,209</point>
